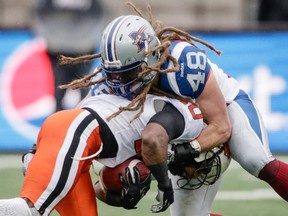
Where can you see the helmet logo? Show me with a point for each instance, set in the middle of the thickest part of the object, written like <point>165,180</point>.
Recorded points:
<point>140,37</point>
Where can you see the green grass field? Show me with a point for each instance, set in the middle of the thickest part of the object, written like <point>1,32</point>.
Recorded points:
<point>240,195</point>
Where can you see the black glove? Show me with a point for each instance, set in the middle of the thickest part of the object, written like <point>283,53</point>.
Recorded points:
<point>165,196</point>
<point>183,156</point>
<point>133,191</point>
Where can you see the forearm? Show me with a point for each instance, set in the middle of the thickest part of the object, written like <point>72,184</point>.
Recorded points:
<point>154,144</point>
<point>214,109</point>
<point>154,152</point>
<point>213,136</point>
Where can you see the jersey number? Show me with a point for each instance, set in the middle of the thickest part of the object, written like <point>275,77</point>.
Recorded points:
<point>196,60</point>
<point>195,111</point>
<point>138,144</point>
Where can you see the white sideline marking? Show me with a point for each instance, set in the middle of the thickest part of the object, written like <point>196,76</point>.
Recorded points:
<point>258,194</point>
<point>8,161</point>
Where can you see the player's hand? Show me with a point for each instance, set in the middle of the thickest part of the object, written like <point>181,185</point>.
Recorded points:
<point>26,159</point>
<point>183,156</point>
<point>133,189</point>
<point>165,197</point>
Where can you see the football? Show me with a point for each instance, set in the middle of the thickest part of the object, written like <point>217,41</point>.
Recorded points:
<point>109,177</point>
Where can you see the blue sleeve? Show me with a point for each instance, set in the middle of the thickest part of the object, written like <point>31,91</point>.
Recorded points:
<point>193,74</point>
<point>100,88</point>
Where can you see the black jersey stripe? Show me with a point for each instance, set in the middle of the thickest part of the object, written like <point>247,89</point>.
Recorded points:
<point>110,145</point>
<point>67,164</point>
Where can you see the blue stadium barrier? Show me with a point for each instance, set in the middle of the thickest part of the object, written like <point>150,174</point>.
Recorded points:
<point>258,60</point>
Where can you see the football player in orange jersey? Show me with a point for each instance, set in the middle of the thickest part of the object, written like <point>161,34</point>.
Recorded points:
<point>58,175</point>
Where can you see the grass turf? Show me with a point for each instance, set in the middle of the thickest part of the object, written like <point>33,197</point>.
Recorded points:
<point>240,194</point>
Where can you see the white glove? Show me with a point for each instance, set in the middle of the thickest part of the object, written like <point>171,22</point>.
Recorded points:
<point>165,196</point>
<point>26,159</point>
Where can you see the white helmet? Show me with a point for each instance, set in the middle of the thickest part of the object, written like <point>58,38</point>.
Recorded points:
<point>123,47</point>
<point>207,168</point>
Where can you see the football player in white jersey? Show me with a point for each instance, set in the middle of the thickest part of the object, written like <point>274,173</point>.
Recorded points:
<point>58,175</point>
<point>229,112</point>
<point>138,56</point>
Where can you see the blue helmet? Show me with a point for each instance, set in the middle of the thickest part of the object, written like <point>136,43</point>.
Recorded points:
<point>123,47</point>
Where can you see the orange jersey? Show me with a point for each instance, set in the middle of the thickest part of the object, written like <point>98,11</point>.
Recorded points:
<point>53,173</point>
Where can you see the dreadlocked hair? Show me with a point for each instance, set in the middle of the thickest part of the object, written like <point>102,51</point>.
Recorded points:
<point>74,60</point>
<point>165,35</point>
<point>85,81</point>
<point>136,104</point>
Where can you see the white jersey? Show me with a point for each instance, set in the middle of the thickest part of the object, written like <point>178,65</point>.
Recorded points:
<point>128,135</point>
<point>228,85</point>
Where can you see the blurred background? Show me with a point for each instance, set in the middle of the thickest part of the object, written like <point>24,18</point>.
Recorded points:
<point>253,38</point>
<point>252,34</point>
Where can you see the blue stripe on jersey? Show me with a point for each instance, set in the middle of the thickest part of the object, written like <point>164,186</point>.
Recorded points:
<point>193,73</point>
<point>247,106</point>
<point>109,39</point>
<point>99,89</point>
<point>163,79</point>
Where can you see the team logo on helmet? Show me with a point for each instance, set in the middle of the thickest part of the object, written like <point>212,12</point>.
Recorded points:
<point>140,37</point>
